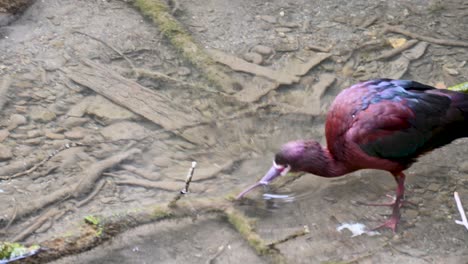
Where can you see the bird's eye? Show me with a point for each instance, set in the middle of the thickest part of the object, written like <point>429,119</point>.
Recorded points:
<point>284,169</point>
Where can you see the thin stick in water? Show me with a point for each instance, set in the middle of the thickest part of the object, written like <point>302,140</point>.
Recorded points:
<point>188,180</point>
<point>464,221</point>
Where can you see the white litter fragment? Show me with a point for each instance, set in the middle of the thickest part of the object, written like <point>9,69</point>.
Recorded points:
<point>464,221</point>
<point>357,229</point>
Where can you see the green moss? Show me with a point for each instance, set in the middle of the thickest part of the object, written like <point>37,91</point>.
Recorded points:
<point>9,251</point>
<point>462,87</point>
<point>159,212</point>
<point>158,11</point>
<point>242,224</point>
<point>92,220</point>
<point>96,223</point>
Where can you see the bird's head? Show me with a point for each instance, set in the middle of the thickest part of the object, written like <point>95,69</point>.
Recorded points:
<point>293,156</point>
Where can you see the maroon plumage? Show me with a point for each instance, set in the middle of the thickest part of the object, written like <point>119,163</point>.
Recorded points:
<point>379,124</point>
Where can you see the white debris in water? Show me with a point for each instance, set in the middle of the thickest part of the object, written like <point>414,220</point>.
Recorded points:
<point>357,229</point>
<point>270,196</point>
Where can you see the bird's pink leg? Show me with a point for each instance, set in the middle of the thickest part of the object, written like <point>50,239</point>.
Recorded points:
<point>393,202</point>
<point>392,223</point>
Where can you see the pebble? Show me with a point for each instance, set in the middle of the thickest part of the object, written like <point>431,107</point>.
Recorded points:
<point>21,108</point>
<point>17,120</point>
<point>183,71</point>
<point>253,57</point>
<point>411,214</point>
<point>107,111</point>
<point>34,133</point>
<point>463,166</point>
<point>52,135</point>
<point>124,130</point>
<point>5,152</point>
<point>79,109</point>
<point>4,133</point>
<point>433,187</point>
<point>283,29</point>
<point>269,19</point>
<point>75,133</point>
<point>52,64</point>
<point>41,94</point>
<point>33,141</point>
<point>290,24</point>
<point>74,121</point>
<point>450,71</point>
<point>263,50</point>
<point>286,44</point>
<point>41,114</point>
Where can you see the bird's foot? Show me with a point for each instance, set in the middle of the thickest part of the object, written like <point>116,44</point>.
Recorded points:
<point>391,204</point>
<point>391,223</point>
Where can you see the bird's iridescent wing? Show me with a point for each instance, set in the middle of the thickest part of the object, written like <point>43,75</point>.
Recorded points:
<point>403,119</point>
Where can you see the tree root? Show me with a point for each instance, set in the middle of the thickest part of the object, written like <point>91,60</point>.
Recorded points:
<point>92,194</point>
<point>89,236</point>
<point>92,174</point>
<point>87,182</point>
<point>394,52</point>
<point>161,15</point>
<point>132,66</point>
<point>37,223</point>
<point>444,42</point>
<point>42,162</point>
<point>294,235</point>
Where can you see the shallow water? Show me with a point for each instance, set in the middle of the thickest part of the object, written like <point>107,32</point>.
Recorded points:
<point>234,149</point>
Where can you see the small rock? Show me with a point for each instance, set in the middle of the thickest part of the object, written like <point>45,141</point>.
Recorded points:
<point>16,120</point>
<point>269,19</point>
<point>55,136</point>
<point>34,133</point>
<point>463,166</point>
<point>283,29</point>
<point>433,187</point>
<point>75,133</point>
<point>183,71</point>
<point>263,50</point>
<point>74,121</point>
<point>253,57</point>
<point>52,64</point>
<point>41,94</point>
<point>79,109</point>
<point>21,108</point>
<point>124,130</point>
<point>4,133</point>
<point>5,152</point>
<point>107,111</point>
<point>289,24</point>
<point>411,214</point>
<point>41,114</point>
<point>108,200</point>
<point>286,44</point>
<point>33,141</point>
<point>450,71</point>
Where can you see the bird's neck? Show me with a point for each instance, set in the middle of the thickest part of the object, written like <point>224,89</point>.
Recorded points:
<point>326,165</point>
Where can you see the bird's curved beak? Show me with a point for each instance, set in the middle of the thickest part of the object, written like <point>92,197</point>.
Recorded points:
<point>273,172</point>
